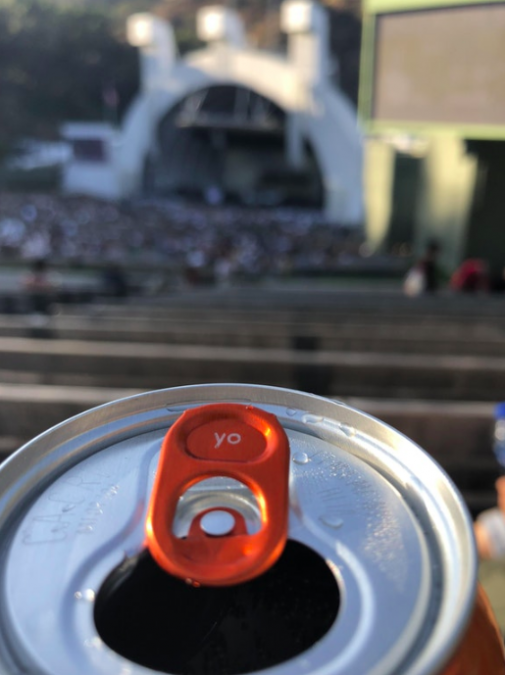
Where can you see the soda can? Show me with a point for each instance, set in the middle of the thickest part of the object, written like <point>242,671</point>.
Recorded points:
<point>231,529</point>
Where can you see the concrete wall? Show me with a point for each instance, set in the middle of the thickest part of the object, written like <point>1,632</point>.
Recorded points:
<point>440,204</point>
<point>445,195</point>
<point>378,181</point>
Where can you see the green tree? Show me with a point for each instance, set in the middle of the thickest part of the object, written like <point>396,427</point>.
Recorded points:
<point>56,63</point>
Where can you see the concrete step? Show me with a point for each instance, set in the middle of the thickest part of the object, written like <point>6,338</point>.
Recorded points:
<point>478,340</point>
<point>304,300</point>
<point>306,295</point>
<point>451,431</point>
<point>333,373</point>
<point>27,410</point>
<point>208,312</point>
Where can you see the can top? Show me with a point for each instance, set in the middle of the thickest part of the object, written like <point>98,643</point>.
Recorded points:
<point>384,518</point>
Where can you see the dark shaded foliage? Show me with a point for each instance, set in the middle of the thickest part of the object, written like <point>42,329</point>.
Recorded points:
<point>56,64</point>
<point>59,56</point>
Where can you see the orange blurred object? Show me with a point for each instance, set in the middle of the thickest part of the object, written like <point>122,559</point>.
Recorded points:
<point>235,441</point>
<point>481,650</point>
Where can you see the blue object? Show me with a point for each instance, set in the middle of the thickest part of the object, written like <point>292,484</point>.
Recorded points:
<point>499,433</point>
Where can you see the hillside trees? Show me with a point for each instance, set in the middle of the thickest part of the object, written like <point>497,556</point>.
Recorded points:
<point>61,59</point>
<point>57,63</point>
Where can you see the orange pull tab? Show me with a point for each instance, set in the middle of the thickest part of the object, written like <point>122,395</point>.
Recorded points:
<point>235,441</point>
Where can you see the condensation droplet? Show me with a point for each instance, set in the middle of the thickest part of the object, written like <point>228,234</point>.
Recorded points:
<point>88,594</point>
<point>301,458</point>
<point>94,643</point>
<point>67,507</point>
<point>332,521</point>
<point>312,419</point>
<point>85,529</point>
<point>291,412</point>
<point>348,430</point>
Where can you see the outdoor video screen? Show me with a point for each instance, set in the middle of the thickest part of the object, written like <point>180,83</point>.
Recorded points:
<point>444,65</point>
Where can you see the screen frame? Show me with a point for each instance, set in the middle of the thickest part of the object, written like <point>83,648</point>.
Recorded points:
<point>375,9</point>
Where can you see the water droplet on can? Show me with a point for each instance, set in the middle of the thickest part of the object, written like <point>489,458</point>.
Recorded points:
<point>312,419</point>
<point>67,507</point>
<point>85,529</point>
<point>348,430</point>
<point>301,458</point>
<point>88,594</point>
<point>291,412</point>
<point>332,521</point>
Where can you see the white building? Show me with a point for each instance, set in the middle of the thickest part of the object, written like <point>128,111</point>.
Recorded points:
<point>268,95</point>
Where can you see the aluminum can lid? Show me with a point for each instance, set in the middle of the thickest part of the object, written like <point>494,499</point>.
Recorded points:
<point>383,516</point>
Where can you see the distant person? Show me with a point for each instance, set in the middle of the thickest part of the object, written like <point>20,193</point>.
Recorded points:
<point>40,287</point>
<point>424,276</point>
<point>497,282</point>
<point>490,527</point>
<point>471,276</point>
<point>415,282</point>
<point>114,282</point>
<point>213,195</point>
<point>429,266</point>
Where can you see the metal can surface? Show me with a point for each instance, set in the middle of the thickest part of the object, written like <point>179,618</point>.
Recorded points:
<point>378,576</point>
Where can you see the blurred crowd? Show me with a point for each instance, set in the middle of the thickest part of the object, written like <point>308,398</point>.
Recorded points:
<point>226,240</point>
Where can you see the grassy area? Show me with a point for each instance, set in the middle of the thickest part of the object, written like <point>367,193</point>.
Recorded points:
<point>44,179</point>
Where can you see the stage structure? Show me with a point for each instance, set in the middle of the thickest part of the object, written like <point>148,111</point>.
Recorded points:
<point>281,112</point>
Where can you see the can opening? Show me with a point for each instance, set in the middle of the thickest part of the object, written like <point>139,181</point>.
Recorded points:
<point>159,622</point>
